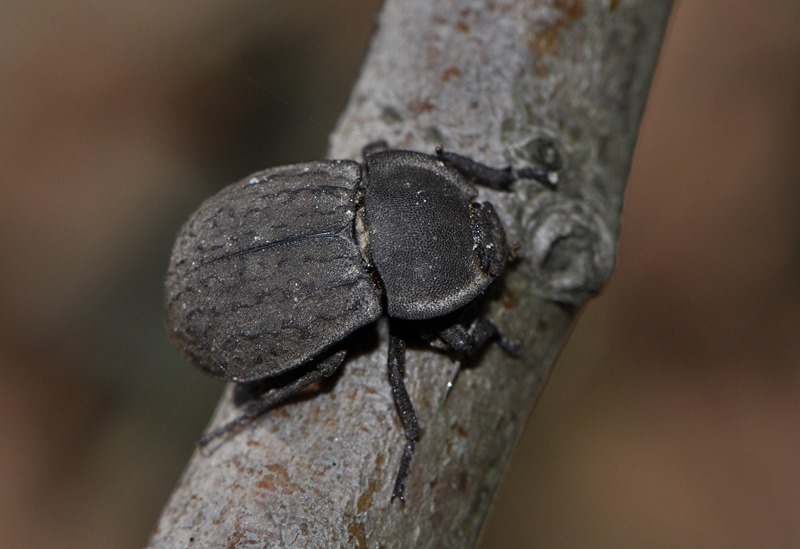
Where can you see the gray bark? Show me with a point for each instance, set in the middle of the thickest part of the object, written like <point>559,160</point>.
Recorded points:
<point>485,78</point>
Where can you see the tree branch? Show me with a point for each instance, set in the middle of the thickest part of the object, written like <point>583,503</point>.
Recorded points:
<point>489,79</point>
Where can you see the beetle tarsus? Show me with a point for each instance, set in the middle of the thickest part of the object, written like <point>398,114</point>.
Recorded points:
<point>548,178</point>
<point>229,427</point>
<point>405,461</point>
<point>396,363</point>
<point>272,398</point>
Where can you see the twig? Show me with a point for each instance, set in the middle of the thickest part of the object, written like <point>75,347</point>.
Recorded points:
<point>497,81</point>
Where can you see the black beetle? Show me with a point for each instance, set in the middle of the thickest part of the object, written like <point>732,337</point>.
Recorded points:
<point>272,272</point>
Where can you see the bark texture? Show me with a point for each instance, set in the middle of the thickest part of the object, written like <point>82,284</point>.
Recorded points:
<point>488,79</point>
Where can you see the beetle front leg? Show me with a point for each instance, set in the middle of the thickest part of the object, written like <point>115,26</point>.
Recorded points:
<point>396,363</point>
<point>496,178</point>
<point>272,398</point>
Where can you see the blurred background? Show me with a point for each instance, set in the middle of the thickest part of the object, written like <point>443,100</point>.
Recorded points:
<point>673,416</point>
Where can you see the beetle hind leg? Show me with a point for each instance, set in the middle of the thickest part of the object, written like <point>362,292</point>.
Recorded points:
<point>272,398</point>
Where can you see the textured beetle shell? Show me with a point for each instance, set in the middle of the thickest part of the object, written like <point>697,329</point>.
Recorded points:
<point>423,239</point>
<point>266,275</point>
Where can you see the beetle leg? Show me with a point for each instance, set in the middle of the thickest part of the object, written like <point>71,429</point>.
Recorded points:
<point>373,147</point>
<point>496,178</point>
<point>396,363</point>
<point>272,398</point>
<point>484,331</point>
<point>470,342</point>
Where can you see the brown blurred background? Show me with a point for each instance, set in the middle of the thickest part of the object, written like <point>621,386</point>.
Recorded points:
<point>673,416</point>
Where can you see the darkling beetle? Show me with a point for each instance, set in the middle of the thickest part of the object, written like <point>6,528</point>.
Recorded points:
<point>273,271</point>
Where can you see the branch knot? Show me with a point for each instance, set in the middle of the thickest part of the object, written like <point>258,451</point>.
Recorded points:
<point>570,249</point>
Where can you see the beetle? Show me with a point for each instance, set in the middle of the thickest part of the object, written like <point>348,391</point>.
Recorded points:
<point>269,275</point>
